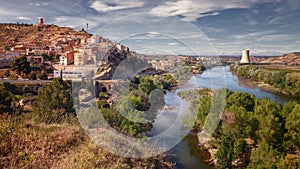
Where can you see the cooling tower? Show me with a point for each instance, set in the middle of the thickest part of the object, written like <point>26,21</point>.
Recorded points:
<point>245,56</point>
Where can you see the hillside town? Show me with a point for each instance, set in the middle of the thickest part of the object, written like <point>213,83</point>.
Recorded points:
<point>57,49</point>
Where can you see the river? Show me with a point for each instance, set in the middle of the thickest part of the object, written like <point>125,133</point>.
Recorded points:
<point>184,154</point>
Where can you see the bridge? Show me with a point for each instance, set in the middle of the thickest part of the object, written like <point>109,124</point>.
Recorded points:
<point>105,85</point>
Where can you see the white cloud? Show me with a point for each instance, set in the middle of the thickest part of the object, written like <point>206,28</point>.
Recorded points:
<point>34,4</point>
<point>172,44</point>
<point>252,22</point>
<point>191,10</point>
<point>106,6</point>
<point>38,4</point>
<point>153,34</point>
<point>275,20</point>
<point>75,22</point>
<point>253,35</point>
<point>23,18</point>
<point>279,38</point>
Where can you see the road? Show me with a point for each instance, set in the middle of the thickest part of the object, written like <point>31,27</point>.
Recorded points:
<point>25,81</point>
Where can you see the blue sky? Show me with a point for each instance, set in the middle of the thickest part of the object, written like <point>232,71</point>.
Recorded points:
<point>202,27</point>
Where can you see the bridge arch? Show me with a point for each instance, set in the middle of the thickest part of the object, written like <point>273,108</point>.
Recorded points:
<point>103,89</point>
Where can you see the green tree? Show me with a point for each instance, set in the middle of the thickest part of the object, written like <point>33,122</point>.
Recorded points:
<point>5,100</point>
<point>240,147</point>
<point>291,161</point>
<point>20,65</point>
<point>103,104</point>
<point>54,102</point>
<point>147,84</point>
<point>263,157</point>
<point>7,73</point>
<point>225,152</point>
<point>137,102</point>
<point>32,76</point>
<point>46,57</point>
<point>43,76</point>
<point>241,99</point>
<point>204,107</point>
<point>292,126</point>
<point>56,56</point>
<point>271,127</point>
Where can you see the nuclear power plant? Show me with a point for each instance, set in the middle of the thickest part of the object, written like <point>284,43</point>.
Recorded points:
<point>245,56</point>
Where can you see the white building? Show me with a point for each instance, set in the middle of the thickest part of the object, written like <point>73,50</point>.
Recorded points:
<point>69,74</point>
<point>63,60</point>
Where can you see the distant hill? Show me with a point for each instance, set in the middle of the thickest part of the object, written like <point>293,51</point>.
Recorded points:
<point>14,34</point>
<point>292,59</point>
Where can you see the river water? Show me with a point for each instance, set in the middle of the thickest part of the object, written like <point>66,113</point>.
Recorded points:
<point>184,154</point>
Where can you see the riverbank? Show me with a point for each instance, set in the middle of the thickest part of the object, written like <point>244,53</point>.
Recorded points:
<point>278,81</point>
<point>262,85</point>
<point>189,155</point>
<point>269,88</point>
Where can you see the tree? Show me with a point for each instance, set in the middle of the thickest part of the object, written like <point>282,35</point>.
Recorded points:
<point>137,102</point>
<point>46,57</point>
<point>43,76</point>
<point>5,100</point>
<point>241,99</point>
<point>56,56</point>
<point>292,126</point>
<point>204,107</point>
<point>225,152</point>
<point>32,76</point>
<point>147,84</point>
<point>290,161</point>
<point>21,65</point>
<point>54,102</point>
<point>271,127</point>
<point>262,157</point>
<point>7,73</point>
<point>240,147</point>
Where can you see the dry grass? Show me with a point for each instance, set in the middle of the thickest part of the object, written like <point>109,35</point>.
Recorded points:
<point>25,144</point>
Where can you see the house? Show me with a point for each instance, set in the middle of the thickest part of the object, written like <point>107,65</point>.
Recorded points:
<point>21,49</point>
<point>77,59</point>
<point>67,58</point>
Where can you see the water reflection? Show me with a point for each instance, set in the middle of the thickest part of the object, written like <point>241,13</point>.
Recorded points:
<point>235,83</point>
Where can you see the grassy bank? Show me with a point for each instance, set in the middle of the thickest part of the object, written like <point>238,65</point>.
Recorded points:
<point>26,144</point>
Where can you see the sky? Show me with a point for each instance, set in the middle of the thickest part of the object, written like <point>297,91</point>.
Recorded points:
<point>191,27</point>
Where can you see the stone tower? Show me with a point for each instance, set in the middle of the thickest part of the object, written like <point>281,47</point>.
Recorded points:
<point>41,21</point>
<point>245,56</point>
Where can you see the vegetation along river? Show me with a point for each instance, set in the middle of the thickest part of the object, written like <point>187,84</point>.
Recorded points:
<point>185,154</point>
